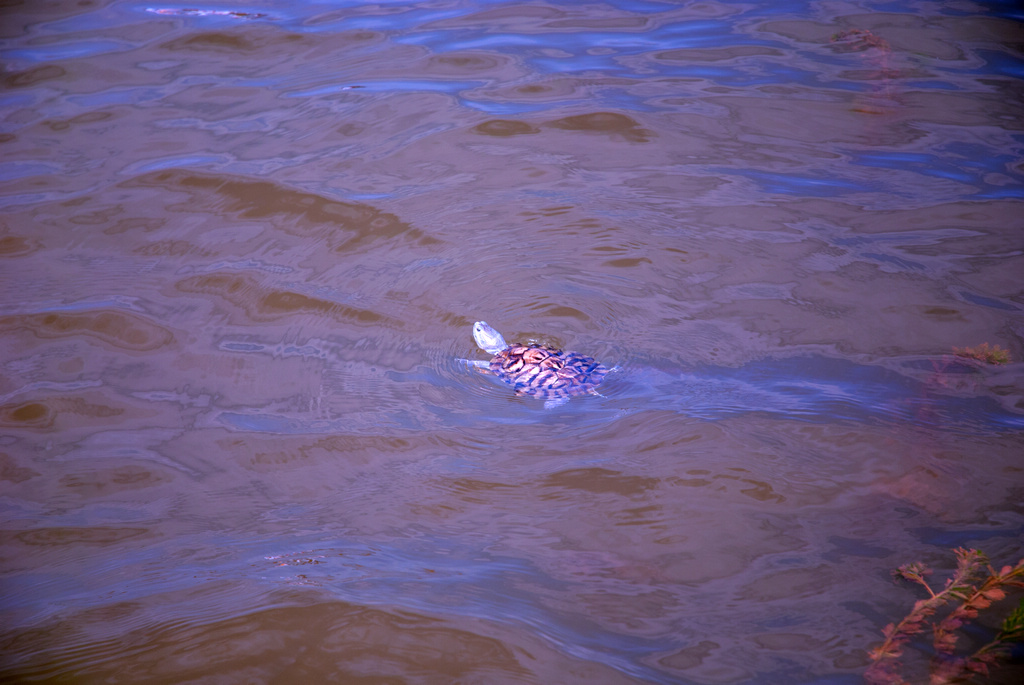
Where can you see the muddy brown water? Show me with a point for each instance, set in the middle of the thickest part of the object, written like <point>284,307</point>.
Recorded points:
<point>242,250</point>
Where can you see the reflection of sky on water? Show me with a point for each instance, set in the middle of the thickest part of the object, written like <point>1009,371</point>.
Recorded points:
<point>965,163</point>
<point>695,94</point>
<point>802,388</point>
<point>420,573</point>
<point>439,576</point>
<point>635,54</point>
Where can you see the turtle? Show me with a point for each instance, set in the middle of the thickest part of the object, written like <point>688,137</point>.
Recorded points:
<point>539,371</point>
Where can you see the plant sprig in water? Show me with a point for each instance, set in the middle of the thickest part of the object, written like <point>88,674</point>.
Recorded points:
<point>990,354</point>
<point>968,594</point>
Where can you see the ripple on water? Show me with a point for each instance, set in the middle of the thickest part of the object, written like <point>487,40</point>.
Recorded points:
<point>243,253</point>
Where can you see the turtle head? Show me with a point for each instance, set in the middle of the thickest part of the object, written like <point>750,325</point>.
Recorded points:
<point>487,338</point>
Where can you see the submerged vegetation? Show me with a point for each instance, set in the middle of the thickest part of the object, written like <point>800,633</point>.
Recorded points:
<point>966,593</point>
<point>984,353</point>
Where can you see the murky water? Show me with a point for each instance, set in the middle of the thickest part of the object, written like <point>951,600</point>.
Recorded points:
<point>243,248</point>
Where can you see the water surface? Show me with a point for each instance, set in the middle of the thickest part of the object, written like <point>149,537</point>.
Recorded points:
<point>243,248</point>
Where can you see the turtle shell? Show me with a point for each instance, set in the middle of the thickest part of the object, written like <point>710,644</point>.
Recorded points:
<point>547,373</point>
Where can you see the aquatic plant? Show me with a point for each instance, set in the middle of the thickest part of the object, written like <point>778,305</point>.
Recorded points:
<point>860,39</point>
<point>877,54</point>
<point>967,594</point>
<point>984,353</point>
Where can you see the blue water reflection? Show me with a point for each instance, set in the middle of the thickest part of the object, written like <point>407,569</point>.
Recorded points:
<point>962,162</point>
<point>813,389</point>
<point>793,184</point>
<point>246,244</point>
